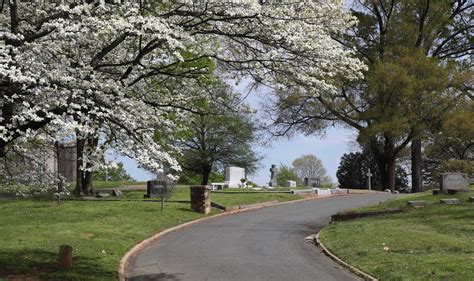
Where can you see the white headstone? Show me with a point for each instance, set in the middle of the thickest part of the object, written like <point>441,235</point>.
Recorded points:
<point>454,181</point>
<point>290,183</point>
<point>233,175</point>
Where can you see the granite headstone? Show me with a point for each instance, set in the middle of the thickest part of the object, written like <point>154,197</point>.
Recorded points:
<point>454,182</point>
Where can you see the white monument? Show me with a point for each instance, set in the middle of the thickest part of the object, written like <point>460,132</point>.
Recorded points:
<point>233,175</point>
<point>291,183</point>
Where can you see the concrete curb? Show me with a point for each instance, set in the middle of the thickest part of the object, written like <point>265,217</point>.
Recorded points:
<point>351,268</point>
<point>126,259</point>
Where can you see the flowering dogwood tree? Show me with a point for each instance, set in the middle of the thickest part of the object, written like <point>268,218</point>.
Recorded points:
<point>117,71</point>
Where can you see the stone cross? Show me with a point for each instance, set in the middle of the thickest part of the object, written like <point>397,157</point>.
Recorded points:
<point>369,176</point>
<point>273,176</point>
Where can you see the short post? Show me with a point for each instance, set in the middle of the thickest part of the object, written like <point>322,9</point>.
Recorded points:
<point>65,257</point>
<point>201,198</point>
<point>369,177</point>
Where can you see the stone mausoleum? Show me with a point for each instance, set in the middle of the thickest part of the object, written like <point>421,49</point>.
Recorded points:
<point>233,175</point>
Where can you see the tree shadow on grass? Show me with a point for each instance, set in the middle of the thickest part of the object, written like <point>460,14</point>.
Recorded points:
<point>36,264</point>
<point>186,209</point>
<point>179,201</point>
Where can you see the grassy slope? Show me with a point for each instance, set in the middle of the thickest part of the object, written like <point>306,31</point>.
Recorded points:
<point>431,243</point>
<point>100,232</point>
<point>112,184</point>
<point>181,193</point>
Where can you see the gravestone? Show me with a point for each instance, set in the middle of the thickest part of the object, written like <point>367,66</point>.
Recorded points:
<point>417,204</point>
<point>102,195</point>
<point>450,201</point>
<point>233,175</point>
<point>273,176</point>
<point>65,257</point>
<point>156,189</point>
<point>201,198</point>
<point>312,182</point>
<point>290,183</point>
<point>117,192</point>
<point>455,182</point>
<point>369,181</point>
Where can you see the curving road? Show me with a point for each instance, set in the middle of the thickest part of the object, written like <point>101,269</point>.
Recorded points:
<point>265,244</point>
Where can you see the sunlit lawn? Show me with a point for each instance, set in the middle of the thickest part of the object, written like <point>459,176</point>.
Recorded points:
<point>100,232</point>
<point>431,243</point>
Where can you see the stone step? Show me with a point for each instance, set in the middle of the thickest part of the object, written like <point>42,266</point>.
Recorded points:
<point>450,201</point>
<point>417,204</point>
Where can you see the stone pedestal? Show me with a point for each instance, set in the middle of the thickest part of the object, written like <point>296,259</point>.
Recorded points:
<point>201,198</point>
<point>65,257</point>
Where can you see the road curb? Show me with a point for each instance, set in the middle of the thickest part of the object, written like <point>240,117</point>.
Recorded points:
<point>351,268</point>
<point>126,259</point>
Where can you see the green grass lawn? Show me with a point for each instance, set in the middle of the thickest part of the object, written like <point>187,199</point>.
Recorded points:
<point>181,194</point>
<point>100,232</point>
<point>431,243</point>
<point>113,184</point>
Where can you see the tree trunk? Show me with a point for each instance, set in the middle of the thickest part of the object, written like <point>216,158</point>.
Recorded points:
<point>7,113</point>
<point>206,171</point>
<point>79,191</point>
<point>386,169</point>
<point>416,182</point>
<point>87,183</point>
<point>391,174</point>
<point>2,150</point>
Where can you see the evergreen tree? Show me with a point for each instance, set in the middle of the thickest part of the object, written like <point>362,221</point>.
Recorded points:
<point>353,168</point>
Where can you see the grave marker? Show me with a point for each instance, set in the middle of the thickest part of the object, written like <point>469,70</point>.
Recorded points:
<point>273,176</point>
<point>369,182</point>
<point>456,182</point>
<point>233,176</point>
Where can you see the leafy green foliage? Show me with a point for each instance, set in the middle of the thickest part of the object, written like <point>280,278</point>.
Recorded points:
<point>309,166</point>
<point>353,168</point>
<point>192,178</point>
<point>451,149</point>
<point>220,135</point>
<point>286,173</point>
<point>112,174</point>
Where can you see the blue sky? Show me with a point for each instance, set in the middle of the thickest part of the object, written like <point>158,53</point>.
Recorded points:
<point>328,148</point>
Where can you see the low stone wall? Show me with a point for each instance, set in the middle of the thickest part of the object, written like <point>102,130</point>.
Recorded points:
<point>353,216</point>
<point>302,191</point>
<point>250,192</point>
<point>339,191</point>
<point>321,191</point>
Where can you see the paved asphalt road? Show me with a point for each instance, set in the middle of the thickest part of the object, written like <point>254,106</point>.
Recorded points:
<point>265,244</point>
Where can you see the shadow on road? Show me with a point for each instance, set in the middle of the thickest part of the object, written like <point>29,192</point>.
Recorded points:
<point>154,277</point>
